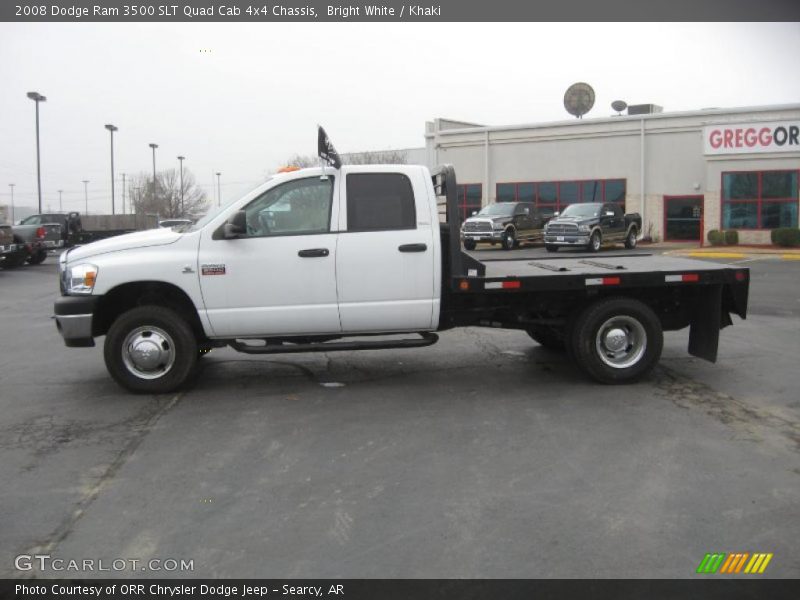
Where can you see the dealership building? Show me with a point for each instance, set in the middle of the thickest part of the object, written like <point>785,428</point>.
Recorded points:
<point>686,173</point>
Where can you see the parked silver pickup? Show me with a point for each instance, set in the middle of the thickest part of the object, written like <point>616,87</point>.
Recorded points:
<point>38,238</point>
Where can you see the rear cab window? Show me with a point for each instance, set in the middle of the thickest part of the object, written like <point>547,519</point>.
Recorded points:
<point>380,202</point>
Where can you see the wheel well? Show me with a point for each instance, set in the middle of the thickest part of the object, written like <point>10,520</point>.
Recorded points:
<point>140,293</point>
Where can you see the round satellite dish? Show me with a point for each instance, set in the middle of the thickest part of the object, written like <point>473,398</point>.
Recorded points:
<point>579,99</point>
<point>619,105</point>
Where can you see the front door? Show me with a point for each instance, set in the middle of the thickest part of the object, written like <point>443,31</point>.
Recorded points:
<point>385,262</point>
<point>279,278</point>
<point>682,218</point>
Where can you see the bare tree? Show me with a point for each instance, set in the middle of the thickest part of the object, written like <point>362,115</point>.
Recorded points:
<point>167,200</point>
<point>379,157</point>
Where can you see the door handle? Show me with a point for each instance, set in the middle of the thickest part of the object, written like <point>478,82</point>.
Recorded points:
<point>313,252</point>
<point>413,248</point>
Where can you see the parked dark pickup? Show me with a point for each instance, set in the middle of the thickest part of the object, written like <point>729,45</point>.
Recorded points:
<point>37,239</point>
<point>508,223</point>
<point>590,225</point>
<point>12,254</point>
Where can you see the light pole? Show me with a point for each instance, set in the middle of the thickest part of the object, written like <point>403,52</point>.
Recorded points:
<point>11,185</point>
<point>154,146</point>
<point>181,159</point>
<point>37,97</point>
<point>86,196</point>
<point>60,209</point>
<point>123,193</point>
<point>219,190</point>
<point>112,128</point>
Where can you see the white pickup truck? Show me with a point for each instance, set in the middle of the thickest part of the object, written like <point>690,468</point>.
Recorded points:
<point>328,258</point>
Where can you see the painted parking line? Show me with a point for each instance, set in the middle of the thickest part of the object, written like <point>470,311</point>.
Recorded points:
<point>790,256</point>
<point>717,254</point>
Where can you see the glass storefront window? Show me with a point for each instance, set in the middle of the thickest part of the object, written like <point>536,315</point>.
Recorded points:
<point>759,199</point>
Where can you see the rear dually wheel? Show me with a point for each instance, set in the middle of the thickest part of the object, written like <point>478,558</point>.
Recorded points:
<point>617,340</point>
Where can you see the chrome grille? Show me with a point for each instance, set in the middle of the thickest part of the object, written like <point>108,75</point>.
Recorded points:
<point>477,226</point>
<point>562,228</point>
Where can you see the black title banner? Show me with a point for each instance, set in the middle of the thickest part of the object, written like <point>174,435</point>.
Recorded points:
<point>382,589</point>
<point>398,10</point>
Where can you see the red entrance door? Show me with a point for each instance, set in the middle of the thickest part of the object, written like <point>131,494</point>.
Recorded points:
<point>683,217</point>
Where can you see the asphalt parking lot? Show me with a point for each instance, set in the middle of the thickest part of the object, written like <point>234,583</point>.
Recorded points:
<point>482,456</point>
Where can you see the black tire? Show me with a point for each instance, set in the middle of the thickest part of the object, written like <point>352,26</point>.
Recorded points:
<point>509,239</point>
<point>551,248</point>
<point>630,240</point>
<point>180,343</point>
<point>469,244</point>
<point>37,257</point>
<point>548,338</point>
<point>640,347</point>
<point>595,242</point>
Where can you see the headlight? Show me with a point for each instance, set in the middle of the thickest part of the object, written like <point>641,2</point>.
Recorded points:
<point>81,279</point>
<point>498,226</point>
<point>583,228</point>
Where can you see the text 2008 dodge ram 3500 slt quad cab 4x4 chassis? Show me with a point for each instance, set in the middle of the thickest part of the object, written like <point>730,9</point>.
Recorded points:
<point>316,256</point>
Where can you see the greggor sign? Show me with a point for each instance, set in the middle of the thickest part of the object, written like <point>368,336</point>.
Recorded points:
<point>745,138</point>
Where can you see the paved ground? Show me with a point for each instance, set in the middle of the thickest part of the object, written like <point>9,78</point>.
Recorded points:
<point>482,456</point>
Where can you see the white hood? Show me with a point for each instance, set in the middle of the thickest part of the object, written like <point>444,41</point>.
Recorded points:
<point>138,239</point>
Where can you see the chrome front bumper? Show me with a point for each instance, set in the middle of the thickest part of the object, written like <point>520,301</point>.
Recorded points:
<point>73,315</point>
<point>566,240</point>
<point>483,236</point>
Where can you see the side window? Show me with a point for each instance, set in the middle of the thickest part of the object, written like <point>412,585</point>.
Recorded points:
<point>298,207</point>
<point>380,202</point>
<point>32,220</point>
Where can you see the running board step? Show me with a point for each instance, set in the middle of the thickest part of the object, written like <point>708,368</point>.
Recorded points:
<point>425,339</point>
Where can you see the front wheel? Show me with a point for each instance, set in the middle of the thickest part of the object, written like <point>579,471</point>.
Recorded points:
<point>551,248</point>
<point>37,257</point>
<point>630,241</point>
<point>151,349</point>
<point>469,244</point>
<point>509,240</point>
<point>595,242</point>
<point>617,340</point>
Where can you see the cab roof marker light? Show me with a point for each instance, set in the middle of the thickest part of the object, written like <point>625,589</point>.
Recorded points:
<point>603,281</point>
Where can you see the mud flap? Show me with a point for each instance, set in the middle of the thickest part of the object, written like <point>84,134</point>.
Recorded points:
<point>706,321</point>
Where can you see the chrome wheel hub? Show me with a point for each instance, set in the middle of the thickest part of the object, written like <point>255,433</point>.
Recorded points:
<point>148,352</point>
<point>621,342</point>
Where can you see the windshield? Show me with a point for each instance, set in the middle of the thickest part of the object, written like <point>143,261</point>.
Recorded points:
<point>211,214</point>
<point>582,210</point>
<point>497,210</point>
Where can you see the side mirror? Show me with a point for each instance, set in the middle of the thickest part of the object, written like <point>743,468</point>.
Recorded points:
<point>236,225</point>
<point>474,212</point>
<point>609,213</point>
<point>556,213</point>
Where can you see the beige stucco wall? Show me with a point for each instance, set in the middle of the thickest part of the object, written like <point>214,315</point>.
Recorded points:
<point>674,160</point>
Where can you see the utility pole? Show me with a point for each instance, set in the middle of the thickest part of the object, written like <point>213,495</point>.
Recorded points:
<point>111,128</point>
<point>60,209</point>
<point>219,190</point>
<point>123,193</point>
<point>86,196</point>
<point>11,185</point>
<point>154,146</point>
<point>37,97</point>
<point>181,159</point>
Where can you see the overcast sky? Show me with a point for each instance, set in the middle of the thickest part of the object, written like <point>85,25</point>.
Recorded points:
<point>241,98</point>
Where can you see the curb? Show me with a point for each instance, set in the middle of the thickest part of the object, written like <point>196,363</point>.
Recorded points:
<point>738,255</point>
